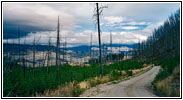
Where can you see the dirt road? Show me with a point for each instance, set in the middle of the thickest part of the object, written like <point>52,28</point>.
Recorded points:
<point>135,87</point>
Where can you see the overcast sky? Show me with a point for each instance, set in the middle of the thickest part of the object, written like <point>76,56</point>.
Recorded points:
<point>128,22</point>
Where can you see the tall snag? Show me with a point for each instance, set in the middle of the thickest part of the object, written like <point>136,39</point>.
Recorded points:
<point>8,56</point>
<point>98,12</point>
<point>33,56</point>
<point>19,45</point>
<point>24,59</point>
<point>111,46</point>
<point>48,59</point>
<point>58,46</point>
<point>91,47</point>
<point>64,51</point>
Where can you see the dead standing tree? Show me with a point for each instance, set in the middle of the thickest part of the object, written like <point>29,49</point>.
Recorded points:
<point>103,53</point>
<point>65,48</point>
<point>98,11</point>
<point>44,58</point>
<point>33,55</point>
<point>12,60</point>
<point>119,53</point>
<point>58,51</point>
<point>8,57</point>
<point>19,44</point>
<point>64,51</point>
<point>49,53</point>
<point>91,47</point>
<point>24,59</point>
<point>111,46</point>
<point>7,63</point>
<point>34,51</point>
<point>58,46</point>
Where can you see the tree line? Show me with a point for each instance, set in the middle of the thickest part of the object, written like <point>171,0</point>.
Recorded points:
<point>164,41</point>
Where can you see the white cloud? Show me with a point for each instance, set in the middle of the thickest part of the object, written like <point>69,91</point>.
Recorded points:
<point>44,15</point>
<point>123,23</point>
<point>138,23</point>
<point>129,27</point>
<point>83,38</point>
<point>142,11</point>
<point>112,19</point>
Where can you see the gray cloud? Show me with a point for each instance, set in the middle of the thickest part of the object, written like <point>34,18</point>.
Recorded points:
<point>75,16</point>
<point>37,15</point>
<point>83,38</point>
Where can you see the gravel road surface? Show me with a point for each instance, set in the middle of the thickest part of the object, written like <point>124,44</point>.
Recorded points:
<point>135,87</point>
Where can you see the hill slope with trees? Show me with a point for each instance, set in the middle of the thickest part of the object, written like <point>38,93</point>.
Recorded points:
<point>163,48</point>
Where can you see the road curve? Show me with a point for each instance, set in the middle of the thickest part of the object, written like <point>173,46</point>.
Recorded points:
<point>135,87</point>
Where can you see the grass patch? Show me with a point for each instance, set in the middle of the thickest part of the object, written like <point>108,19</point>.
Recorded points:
<point>167,82</point>
<point>78,88</point>
<point>14,83</point>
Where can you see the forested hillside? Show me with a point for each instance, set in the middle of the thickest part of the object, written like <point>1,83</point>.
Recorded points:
<point>163,48</point>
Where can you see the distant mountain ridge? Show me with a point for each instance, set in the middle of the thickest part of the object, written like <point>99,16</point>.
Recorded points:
<point>81,48</point>
<point>85,48</point>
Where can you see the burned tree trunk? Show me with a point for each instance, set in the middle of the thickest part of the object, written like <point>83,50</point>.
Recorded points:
<point>33,56</point>
<point>8,57</point>
<point>91,47</point>
<point>58,46</point>
<point>119,53</point>
<point>12,57</point>
<point>99,38</point>
<point>19,45</point>
<point>111,46</point>
<point>24,59</point>
<point>64,50</point>
<point>48,59</point>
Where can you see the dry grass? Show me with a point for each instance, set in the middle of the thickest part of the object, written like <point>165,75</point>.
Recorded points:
<point>61,91</point>
<point>67,90</point>
<point>84,85</point>
<point>105,79</point>
<point>163,86</point>
<point>136,71</point>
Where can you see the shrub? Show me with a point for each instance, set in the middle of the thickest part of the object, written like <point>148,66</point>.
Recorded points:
<point>169,73</point>
<point>129,72</point>
<point>76,91</point>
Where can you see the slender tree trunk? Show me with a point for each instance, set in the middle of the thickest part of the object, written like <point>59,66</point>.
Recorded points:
<point>111,45</point>
<point>44,59</point>
<point>58,46</point>
<point>33,56</point>
<point>48,59</point>
<point>60,54</point>
<point>119,53</point>
<point>8,56</point>
<point>24,66</point>
<point>24,59</point>
<point>19,45</point>
<point>12,56</point>
<point>100,51</point>
<point>70,58</point>
<point>91,47</point>
<point>65,50</point>
<point>103,53</point>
